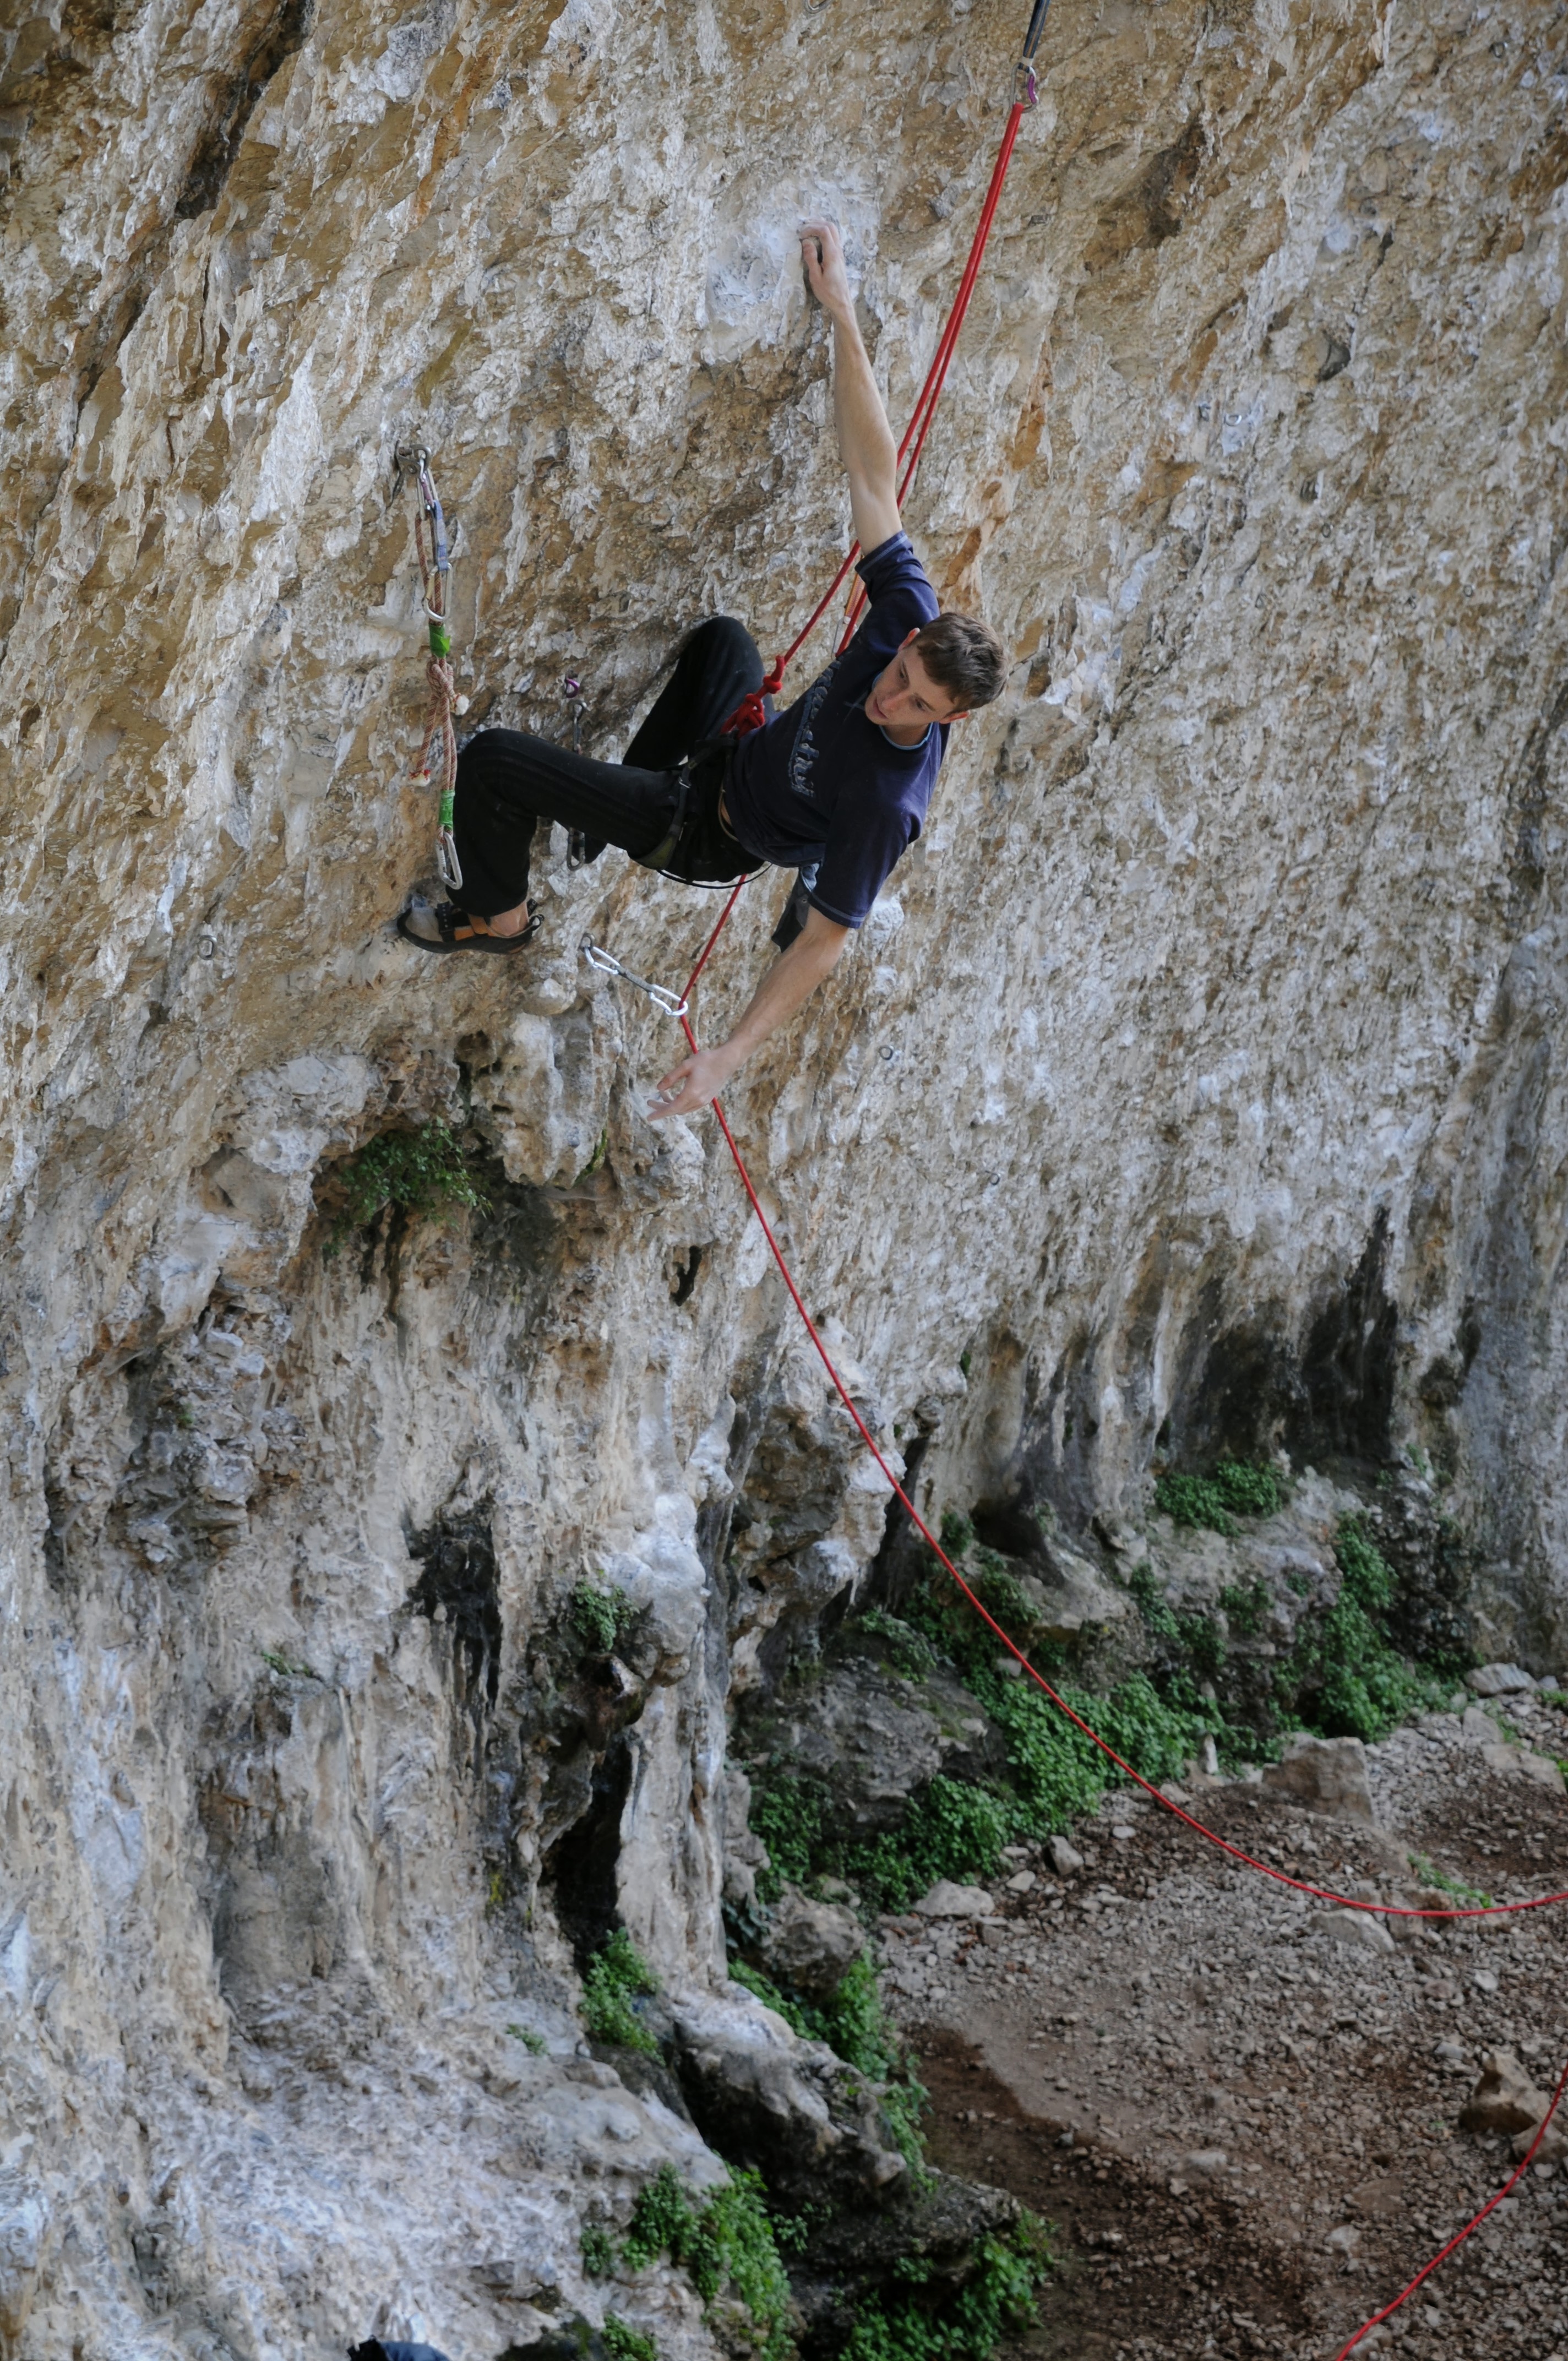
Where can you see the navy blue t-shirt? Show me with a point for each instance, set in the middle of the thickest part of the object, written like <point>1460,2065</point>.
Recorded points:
<point>824,790</point>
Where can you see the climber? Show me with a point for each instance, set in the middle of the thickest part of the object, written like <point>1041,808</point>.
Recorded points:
<point>835,787</point>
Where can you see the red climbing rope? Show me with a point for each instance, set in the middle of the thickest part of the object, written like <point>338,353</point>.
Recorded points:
<point>931,392</point>
<point>1474,2223</point>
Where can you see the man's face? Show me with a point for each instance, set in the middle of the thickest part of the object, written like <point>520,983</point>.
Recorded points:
<point>906,700</point>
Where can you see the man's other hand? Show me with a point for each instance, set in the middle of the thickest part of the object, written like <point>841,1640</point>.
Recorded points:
<point>688,1088</point>
<point>823,251</point>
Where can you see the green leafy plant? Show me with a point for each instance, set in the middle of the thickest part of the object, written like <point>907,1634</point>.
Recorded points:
<point>1235,1489</point>
<point>956,1828</point>
<point>1368,1577</point>
<point>998,1589</point>
<point>1058,1773</point>
<point>1351,1680</point>
<point>624,2343</point>
<point>616,1977</point>
<point>1249,1490</point>
<point>1158,1615</point>
<point>1246,1607</point>
<point>928,2323</point>
<point>790,1819</point>
<point>1193,1500</point>
<point>597,2249</point>
<point>285,1668</point>
<point>956,1531</point>
<point>662,2219</point>
<point>532,2042</point>
<point>727,2244</point>
<point>733,2248</point>
<point>600,1615</point>
<point>601,1149</point>
<point>950,1829</point>
<point>416,1172</point>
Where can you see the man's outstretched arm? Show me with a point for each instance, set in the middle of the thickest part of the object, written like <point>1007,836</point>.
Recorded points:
<point>790,981</point>
<point>865,438</point>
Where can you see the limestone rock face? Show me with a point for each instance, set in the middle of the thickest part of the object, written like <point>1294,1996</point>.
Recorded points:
<point>1196,1083</point>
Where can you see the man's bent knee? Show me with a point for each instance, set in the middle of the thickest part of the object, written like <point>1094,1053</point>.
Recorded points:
<point>721,634</point>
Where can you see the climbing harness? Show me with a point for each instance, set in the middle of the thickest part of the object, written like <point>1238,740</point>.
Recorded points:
<point>438,752</point>
<point>608,964</point>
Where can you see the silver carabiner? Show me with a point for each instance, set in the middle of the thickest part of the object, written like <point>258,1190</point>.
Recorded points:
<point>448,866</point>
<point>608,964</point>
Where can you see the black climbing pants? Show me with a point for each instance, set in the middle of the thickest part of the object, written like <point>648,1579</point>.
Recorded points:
<point>509,780</point>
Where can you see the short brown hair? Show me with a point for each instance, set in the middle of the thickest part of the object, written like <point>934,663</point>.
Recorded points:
<point>963,657</point>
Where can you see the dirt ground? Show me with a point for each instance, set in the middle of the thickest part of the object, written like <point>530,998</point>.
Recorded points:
<point>1241,2114</point>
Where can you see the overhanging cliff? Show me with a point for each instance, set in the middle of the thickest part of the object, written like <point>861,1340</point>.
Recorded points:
<point>1196,1086</point>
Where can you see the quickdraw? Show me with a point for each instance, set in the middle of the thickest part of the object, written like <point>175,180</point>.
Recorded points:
<point>438,753</point>
<point>608,964</point>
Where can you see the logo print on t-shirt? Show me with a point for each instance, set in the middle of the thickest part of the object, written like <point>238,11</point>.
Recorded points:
<point>803,753</point>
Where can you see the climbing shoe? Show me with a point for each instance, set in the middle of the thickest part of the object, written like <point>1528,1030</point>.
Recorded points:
<point>442,927</point>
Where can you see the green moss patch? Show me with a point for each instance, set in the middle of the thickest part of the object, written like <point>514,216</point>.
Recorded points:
<point>726,2245</point>
<point>417,1173</point>
<point>1236,1489</point>
<point>616,1977</point>
<point>996,2300</point>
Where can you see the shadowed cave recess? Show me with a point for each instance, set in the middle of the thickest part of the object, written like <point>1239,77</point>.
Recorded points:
<point>474,1721</point>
